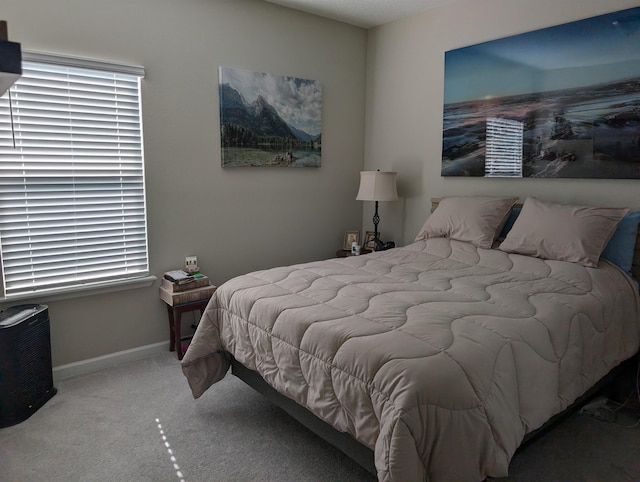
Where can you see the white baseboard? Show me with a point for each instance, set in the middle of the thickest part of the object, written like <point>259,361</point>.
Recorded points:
<point>94,364</point>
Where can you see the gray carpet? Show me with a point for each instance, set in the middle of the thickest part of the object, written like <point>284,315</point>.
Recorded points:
<point>109,426</point>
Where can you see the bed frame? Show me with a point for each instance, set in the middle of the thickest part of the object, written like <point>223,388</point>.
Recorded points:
<point>363,455</point>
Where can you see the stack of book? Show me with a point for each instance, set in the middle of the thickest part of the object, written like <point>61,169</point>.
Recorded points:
<point>180,288</point>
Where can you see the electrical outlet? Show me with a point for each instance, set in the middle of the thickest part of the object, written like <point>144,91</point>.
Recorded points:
<point>191,264</point>
<point>191,261</point>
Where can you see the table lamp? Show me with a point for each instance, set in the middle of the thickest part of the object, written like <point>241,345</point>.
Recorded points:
<point>377,186</point>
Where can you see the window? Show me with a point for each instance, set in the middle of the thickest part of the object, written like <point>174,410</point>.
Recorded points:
<point>72,196</point>
<point>504,148</point>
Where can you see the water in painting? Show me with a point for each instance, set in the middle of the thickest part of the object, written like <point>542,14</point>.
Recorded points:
<point>575,89</point>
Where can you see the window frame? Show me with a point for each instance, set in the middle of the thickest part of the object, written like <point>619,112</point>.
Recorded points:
<point>109,283</point>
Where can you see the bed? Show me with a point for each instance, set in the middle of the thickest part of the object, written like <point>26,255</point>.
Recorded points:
<point>442,355</point>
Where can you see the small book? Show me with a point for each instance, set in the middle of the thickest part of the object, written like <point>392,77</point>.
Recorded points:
<point>190,296</point>
<point>178,276</point>
<point>198,282</point>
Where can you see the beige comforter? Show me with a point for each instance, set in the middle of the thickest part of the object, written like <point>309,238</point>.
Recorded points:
<point>439,355</point>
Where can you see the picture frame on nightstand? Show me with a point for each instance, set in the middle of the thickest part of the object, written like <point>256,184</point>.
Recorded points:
<point>369,241</point>
<point>349,238</point>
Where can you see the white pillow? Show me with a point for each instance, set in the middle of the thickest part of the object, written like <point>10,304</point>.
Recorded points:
<point>474,219</point>
<point>562,232</point>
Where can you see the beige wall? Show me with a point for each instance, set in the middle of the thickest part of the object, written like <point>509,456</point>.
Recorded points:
<point>405,81</point>
<point>245,219</point>
<point>234,220</point>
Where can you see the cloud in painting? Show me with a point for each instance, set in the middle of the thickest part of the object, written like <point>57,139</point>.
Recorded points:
<point>297,101</point>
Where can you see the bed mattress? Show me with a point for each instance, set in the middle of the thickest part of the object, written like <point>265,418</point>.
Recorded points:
<point>439,356</point>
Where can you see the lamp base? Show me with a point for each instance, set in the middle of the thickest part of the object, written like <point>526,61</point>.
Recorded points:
<point>379,245</point>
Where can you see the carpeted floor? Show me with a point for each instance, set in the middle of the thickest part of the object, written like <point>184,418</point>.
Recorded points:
<point>138,422</point>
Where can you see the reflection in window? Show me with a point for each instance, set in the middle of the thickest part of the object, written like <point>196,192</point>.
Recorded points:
<point>504,148</point>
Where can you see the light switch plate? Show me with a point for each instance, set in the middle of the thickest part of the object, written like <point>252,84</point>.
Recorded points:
<point>191,261</point>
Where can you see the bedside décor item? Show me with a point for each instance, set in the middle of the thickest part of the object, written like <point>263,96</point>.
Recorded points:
<point>525,105</point>
<point>369,240</point>
<point>269,120</point>
<point>350,237</point>
<point>377,186</point>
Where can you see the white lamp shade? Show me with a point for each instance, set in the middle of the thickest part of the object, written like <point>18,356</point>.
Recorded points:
<point>377,186</point>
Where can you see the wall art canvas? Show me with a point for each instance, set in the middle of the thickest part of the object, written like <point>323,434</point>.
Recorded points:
<point>269,120</point>
<point>561,102</point>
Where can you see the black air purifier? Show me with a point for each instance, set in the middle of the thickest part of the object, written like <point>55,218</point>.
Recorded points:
<point>26,375</point>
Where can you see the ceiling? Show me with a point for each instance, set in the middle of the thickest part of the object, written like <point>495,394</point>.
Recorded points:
<point>362,13</point>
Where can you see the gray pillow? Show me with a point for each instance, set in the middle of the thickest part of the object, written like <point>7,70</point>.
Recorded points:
<point>474,219</point>
<point>562,232</point>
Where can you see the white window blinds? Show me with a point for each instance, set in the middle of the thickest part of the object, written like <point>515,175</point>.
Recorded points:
<point>72,196</point>
<point>503,148</point>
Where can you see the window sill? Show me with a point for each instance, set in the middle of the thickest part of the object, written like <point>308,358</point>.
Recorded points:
<point>80,291</point>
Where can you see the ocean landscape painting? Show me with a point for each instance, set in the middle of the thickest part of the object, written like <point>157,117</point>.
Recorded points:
<point>569,94</point>
<point>268,120</point>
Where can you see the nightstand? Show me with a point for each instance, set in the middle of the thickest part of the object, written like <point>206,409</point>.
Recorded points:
<point>345,253</point>
<point>183,302</point>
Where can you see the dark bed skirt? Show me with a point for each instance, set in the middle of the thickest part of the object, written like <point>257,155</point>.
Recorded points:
<point>343,441</point>
<point>364,455</point>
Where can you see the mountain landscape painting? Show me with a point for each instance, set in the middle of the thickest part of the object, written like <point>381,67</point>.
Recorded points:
<point>268,120</point>
<point>561,102</point>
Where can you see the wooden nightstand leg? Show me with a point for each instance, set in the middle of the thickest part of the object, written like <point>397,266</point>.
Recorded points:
<point>172,333</point>
<point>177,319</point>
